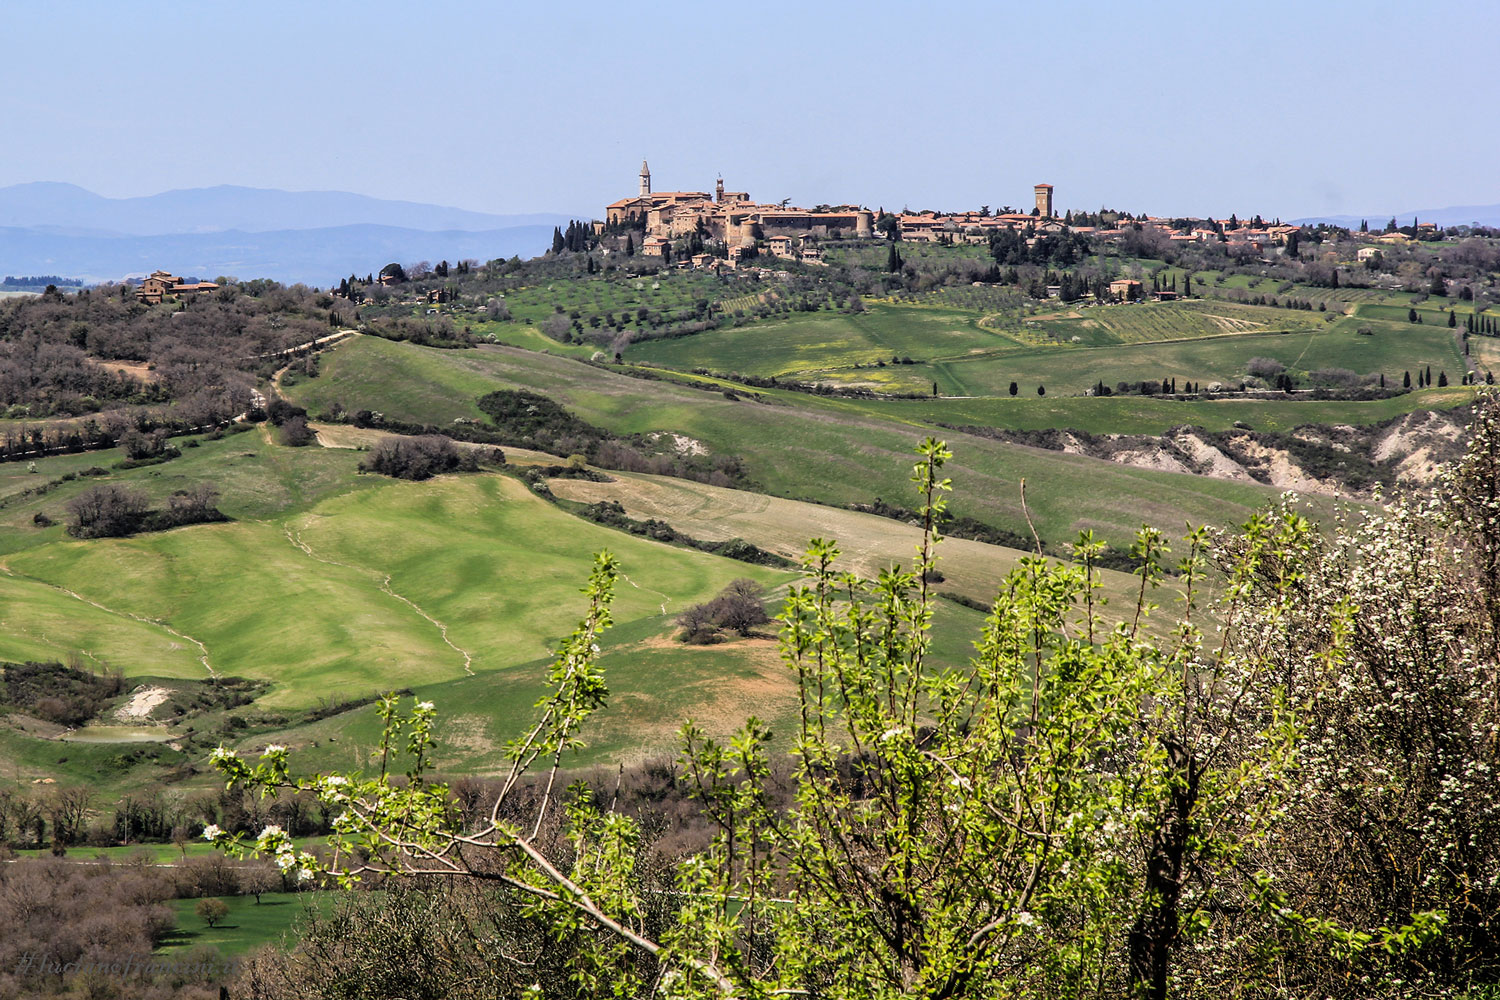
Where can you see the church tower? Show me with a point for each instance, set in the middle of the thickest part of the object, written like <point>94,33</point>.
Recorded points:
<point>645,179</point>
<point>1044,200</point>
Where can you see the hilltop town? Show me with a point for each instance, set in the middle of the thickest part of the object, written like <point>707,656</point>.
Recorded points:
<point>696,228</point>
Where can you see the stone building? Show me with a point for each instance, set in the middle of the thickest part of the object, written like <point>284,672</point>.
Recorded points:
<point>160,284</point>
<point>1044,200</point>
<point>729,216</point>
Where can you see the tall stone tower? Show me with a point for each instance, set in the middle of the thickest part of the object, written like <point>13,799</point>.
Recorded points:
<point>1044,200</point>
<point>719,190</point>
<point>645,179</point>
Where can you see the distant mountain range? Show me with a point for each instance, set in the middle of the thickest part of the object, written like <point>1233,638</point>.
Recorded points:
<point>309,236</point>
<point>1457,215</point>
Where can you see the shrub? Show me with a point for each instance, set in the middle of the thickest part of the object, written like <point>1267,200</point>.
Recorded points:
<point>416,458</point>
<point>739,607</point>
<point>1264,367</point>
<point>295,433</point>
<point>106,511</point>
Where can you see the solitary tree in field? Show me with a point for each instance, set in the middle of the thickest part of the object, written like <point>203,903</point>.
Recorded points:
<point>212,910</point>
<point>1041,390</point>
<point>1014,388</point>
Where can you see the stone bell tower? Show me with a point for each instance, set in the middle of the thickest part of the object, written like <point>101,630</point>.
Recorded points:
<point>1044,200</point>
<point>645,179</point>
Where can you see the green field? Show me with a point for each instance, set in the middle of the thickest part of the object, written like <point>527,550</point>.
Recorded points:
<point>814,342</point>
<point>303,602</point>
<point>1210,359</point>
<point>249,925</point>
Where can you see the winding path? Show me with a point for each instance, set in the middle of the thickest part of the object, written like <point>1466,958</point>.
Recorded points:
<point>121,614</point>
<point>295,537</point>
<point>665,600</point>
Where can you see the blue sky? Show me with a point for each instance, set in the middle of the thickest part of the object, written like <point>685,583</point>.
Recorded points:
<point>1282,108</point>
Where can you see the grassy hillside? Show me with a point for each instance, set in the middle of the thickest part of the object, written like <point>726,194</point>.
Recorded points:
<point>1131,414</point>
<point>794,445</point>
<point>867,543</point>
<point>305,602</point>
<point>815,342</point>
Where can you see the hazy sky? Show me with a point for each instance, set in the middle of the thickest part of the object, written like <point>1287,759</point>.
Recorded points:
<point>1282,108</point>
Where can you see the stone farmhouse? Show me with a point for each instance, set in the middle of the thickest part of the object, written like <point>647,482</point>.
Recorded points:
<point>161,284</point>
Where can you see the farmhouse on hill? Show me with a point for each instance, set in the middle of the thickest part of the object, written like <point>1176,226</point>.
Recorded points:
<point>160,284</point>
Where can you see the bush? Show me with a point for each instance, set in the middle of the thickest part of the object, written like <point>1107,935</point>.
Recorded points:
<point>66,695</point>
<point>416,458</point>
<point>739,607</point>
<point>1264,367</point>
<point>106,511</point>
<point>295,433</point>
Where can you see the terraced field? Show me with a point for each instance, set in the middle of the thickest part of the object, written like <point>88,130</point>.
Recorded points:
<point>1153,322</point>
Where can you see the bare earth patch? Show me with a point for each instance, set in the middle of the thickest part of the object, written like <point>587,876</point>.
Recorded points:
<point>143,701</point>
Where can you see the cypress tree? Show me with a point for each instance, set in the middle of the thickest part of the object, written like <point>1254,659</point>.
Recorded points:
<point>1442,379</point>
<point>1382,380</point>
<point>1452,319</point>
<point>1014,388</point>
<point>1041,390</point>
<point>1406,380</point>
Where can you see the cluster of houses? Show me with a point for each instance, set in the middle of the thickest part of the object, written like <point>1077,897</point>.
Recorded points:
<point>731,217</point>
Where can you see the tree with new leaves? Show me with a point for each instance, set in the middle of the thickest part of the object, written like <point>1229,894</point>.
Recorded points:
<point>211,911</point>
